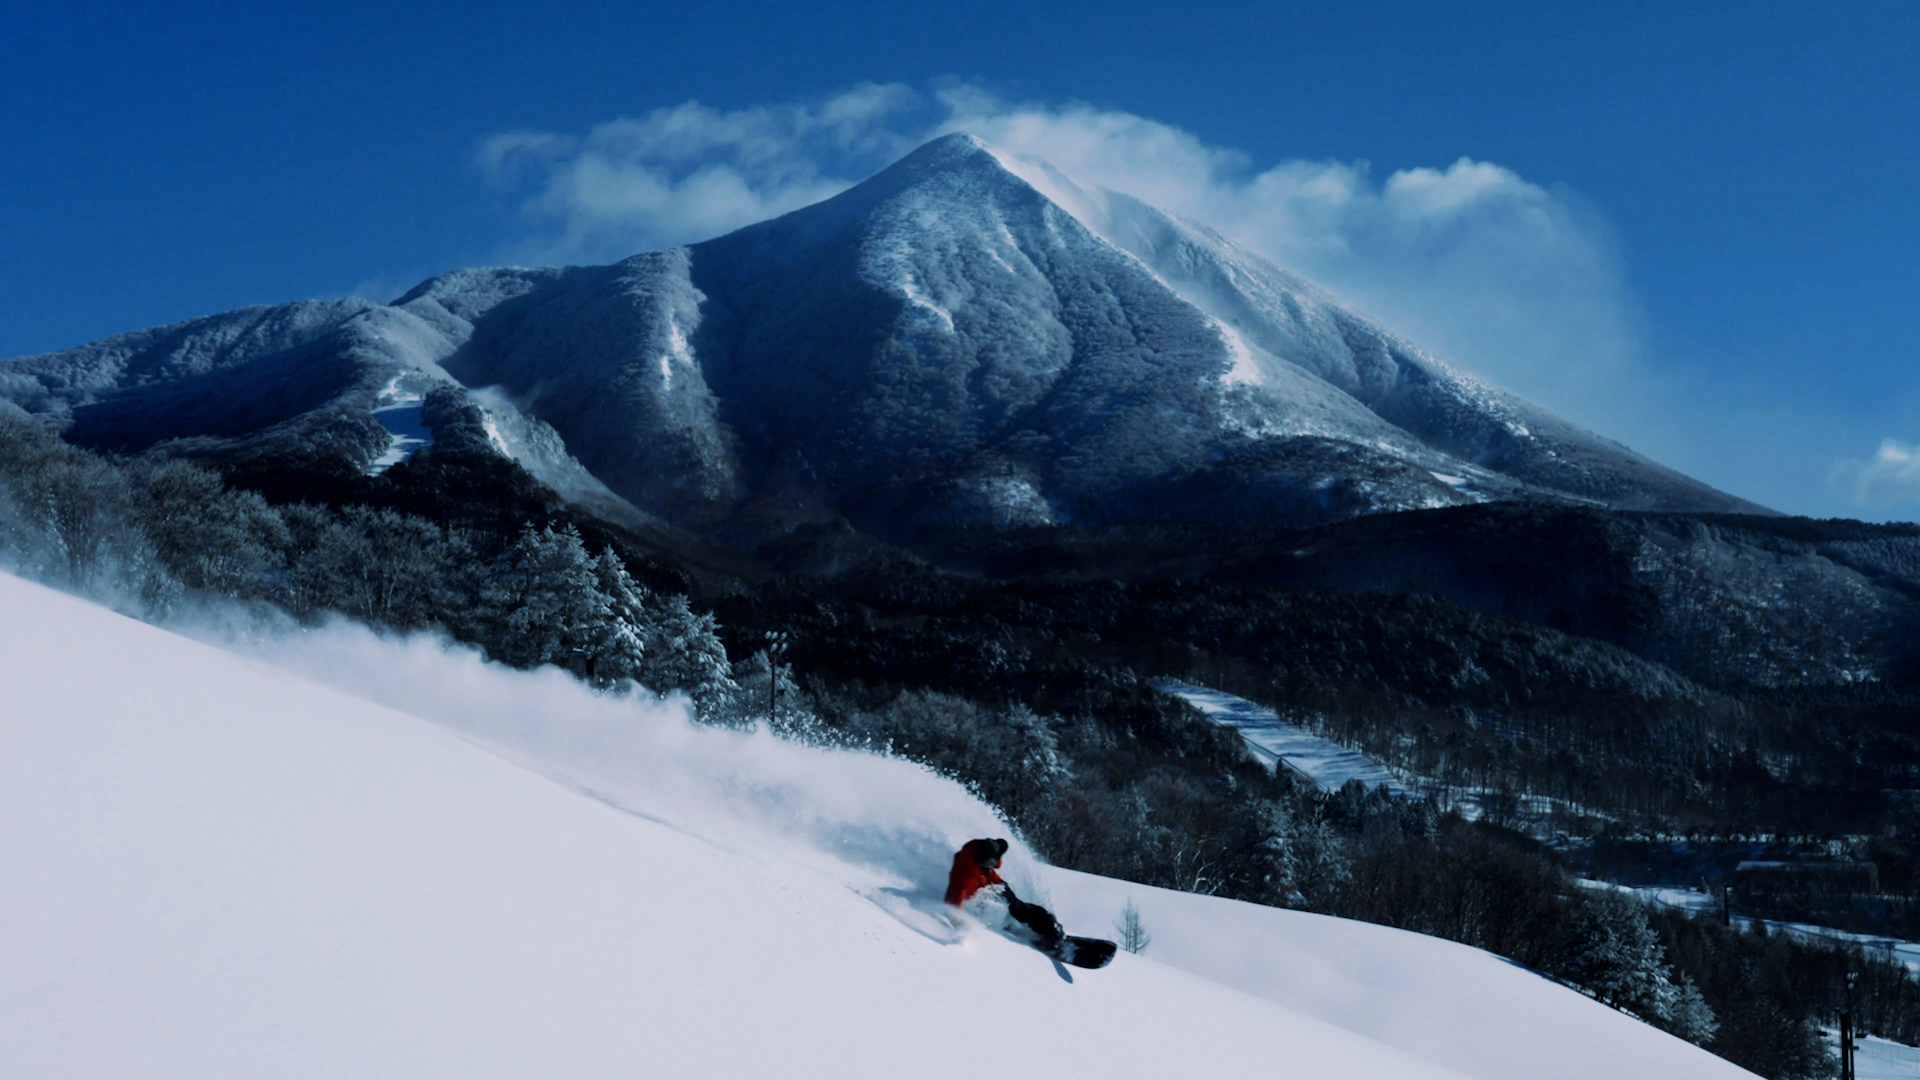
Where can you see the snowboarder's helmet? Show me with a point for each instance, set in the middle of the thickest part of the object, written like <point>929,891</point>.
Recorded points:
<point>988,853</point>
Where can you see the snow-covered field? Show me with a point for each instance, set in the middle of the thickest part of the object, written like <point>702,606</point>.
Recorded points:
<point>330,855</point>
<point>1878,1059</point>
<point>1271,739</point>
<point>1905,952</point>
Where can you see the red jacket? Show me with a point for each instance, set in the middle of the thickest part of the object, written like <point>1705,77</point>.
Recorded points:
<point>968,877</point>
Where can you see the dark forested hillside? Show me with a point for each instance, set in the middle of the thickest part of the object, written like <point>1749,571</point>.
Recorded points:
<point>1727,600</point>
<point>1454,695</point>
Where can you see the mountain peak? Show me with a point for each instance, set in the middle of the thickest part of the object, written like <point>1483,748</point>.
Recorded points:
<point>965,154</point>
<point>956,142</point>
<point>954,169</point>
<point>957,155</point>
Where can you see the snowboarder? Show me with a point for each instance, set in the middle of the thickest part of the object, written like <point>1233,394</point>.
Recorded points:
<point>976,867</point>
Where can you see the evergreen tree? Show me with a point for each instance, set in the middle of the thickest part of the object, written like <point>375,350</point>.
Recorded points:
<point>766,691</point>
<point>1689,1016</point>
<point>1613,951</point>
<point>1260,837</point>
<point>1319,859</point>
<point>682,651</point>
<point>619,651</point>
<point>541,602</point>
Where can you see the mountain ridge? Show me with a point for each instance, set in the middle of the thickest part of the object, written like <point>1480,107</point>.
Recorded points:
<point>964,338</point>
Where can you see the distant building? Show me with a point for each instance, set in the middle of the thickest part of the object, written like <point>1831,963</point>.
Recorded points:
<point>1803,885</point>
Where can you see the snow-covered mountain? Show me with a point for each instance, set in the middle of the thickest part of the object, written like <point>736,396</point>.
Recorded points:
<point>965,337</point>
<point>221,866</point>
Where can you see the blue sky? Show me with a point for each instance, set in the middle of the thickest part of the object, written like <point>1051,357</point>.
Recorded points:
<point>1692,230</point>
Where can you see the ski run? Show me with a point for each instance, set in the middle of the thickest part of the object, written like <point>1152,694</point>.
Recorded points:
<point>1273,742</point>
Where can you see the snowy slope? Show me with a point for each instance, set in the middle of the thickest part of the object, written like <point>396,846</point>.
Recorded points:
<point>217,867</point>
<point>219,870</point>
<point>1271,740</point>
<point>1438,1000</point>
<point>1277,324</point>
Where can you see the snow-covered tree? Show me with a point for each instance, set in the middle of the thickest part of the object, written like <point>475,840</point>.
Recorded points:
<point>1263,838</point>
<point>218,541</point>
<point>1029,764</point>
<point>69,517</point>
<point>766,692</point>
<point>682,651</point>
<point>1318,860</point>
<point>1689,1016</point>
<point>542,599</point>
<point>619,649</point>
<point>1613,952</point>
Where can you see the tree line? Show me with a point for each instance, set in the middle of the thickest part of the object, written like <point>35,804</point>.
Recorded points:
<point>155,536</point>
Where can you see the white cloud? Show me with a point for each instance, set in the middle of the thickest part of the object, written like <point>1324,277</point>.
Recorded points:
<point>1891,478</point>
<point>502,156</point>
<point>688,172</point>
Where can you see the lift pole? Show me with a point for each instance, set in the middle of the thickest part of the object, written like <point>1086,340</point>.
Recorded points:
<point>1846,1030</point>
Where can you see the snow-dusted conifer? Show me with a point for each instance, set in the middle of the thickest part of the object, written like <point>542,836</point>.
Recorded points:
<point>1032,765</point>
<point>1271,863</point>
<point>754,700</point>
<point>1689,1016</point>
<point>1614,952</point>
<point>542,597</point>
<point>619,649</point>
<point>683,652</point>
<point>1318,860</point>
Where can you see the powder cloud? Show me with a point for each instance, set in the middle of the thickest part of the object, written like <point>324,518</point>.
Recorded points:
<point>886,825</point>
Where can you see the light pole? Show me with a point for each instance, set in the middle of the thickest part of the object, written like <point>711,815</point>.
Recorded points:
<point>776,648</point>
<point>1846,1030</point>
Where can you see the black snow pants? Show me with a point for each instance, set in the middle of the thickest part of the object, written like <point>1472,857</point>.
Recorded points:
<point>1035,918</point>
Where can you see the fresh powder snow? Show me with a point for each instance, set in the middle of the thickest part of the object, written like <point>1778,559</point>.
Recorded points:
<point>325,853</point>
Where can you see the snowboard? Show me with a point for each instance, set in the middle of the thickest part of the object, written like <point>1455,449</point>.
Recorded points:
<point>1084,952</point>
